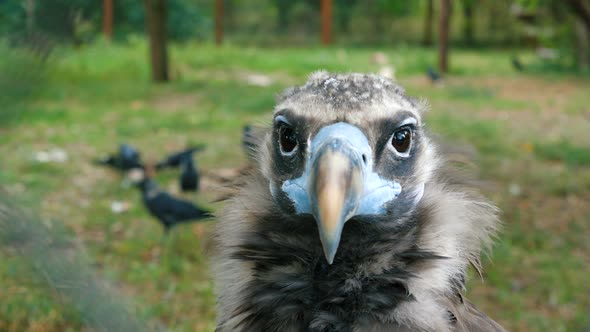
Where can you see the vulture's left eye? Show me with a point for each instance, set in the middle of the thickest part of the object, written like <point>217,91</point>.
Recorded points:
<point>402,140</point>
<point>287,139</point>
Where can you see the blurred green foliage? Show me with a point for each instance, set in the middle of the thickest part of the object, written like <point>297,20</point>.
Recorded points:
<point>485,23</point>
<point>79,21</point>
<point>356,21</point>
<point>564,151</point>
<point>22,78</point>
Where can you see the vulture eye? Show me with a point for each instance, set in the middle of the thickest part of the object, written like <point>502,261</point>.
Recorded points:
<point>401,140</point>
<point>287,139</point>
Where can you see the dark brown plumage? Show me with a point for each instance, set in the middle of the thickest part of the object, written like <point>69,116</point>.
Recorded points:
<point>351,222</point>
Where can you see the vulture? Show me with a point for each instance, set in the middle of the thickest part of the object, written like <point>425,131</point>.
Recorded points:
<point>352,220</point>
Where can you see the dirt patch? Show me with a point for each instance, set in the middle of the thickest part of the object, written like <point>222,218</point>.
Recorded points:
<point>553,215</point>
<point>532,89</point>
<point>174,102</point>
<point>544,125</point>
<point>545,115</point>
<point>548,95</point>
<point>245,76</point>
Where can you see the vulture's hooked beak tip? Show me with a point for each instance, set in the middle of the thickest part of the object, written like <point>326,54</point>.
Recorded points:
<point>336,189</point>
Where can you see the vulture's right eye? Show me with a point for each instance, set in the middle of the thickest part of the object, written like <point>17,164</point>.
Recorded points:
<point>287,139</point>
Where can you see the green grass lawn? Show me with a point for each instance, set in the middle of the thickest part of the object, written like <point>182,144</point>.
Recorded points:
<point>531,133</point>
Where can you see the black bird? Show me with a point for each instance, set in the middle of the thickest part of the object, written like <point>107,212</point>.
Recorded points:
<point>126,159</point>
<point>516,64</point>
<point>175,159</point>
<point>352,220</point>
<point>189,178</point>
<point>433,75</point>
<point>169,211</point>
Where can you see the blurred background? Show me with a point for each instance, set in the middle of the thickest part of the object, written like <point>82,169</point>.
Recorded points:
<point>509,79</point>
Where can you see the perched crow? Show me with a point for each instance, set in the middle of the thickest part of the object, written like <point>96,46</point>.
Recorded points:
<point>433,75</point>
<point>175,159</point>
<point>352,221</point>
<point>189,178</point>
<point>169,210</point>
<point>516,64</point>
<point>126,159</point>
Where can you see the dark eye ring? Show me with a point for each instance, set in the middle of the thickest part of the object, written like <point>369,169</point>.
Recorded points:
<point>287,139</point>
<point>401,140</point>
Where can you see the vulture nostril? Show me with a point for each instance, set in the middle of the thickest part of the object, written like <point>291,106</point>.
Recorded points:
<point>365,159</point>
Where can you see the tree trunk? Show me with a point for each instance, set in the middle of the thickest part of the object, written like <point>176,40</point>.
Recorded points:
<point>443,36</point>
<point>29,6</point>
<point>377,19</point>
<point>218,22</point>
<point>468,22</point>
<point>582,47</point>
<point>283,7</point>
<point>229,15</point>
<point>326,9</point>
<point>107,18</point>
<point>582,11</point>
<point>156,14</point>
<point>344,9</point>
<point>427,40</point>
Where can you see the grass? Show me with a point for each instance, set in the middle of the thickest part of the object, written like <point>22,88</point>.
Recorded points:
<point>530,131</point>
<point>564,151</point>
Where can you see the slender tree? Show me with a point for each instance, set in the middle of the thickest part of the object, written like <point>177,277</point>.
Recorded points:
<point>29,6</point>
<point>229,15</point>
<point>156,13</point>
<point>427,38</point>
<point>283,7</point>
<point>326,9</point>
<point>582,46</point>
<point>581,9</point>
<point>218,22</point>
<point>107,18</point>
<point>344,11</point>
<point>468,22</point>
<point>443,36</point>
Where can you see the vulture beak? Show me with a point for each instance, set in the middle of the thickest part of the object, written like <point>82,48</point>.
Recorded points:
<point>339,183</point>
<point>336,186</point>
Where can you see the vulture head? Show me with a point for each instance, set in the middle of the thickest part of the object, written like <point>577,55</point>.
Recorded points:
<point>352,221</point>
